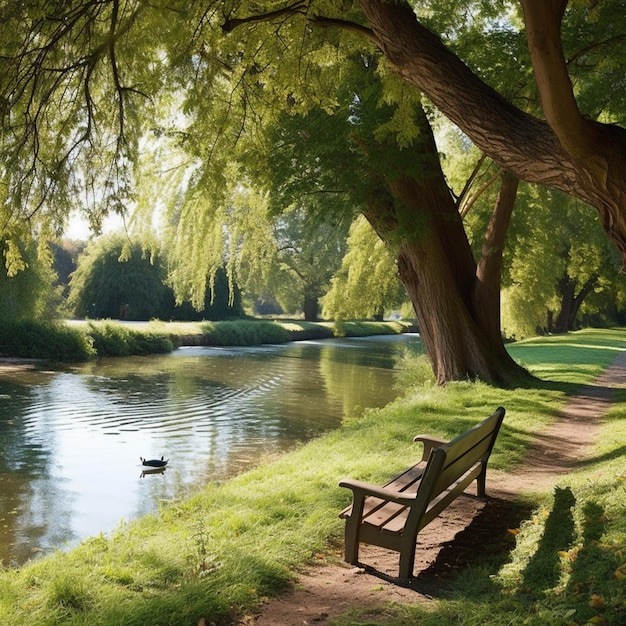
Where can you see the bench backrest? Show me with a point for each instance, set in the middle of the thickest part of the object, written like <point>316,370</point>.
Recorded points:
<point>447,463</point>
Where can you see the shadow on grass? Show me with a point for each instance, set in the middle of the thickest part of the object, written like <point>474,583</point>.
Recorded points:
<point>611,455</point>
<point>542,572</point>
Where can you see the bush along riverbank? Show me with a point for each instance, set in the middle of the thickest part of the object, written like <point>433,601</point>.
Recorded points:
<point>81,341</point>
<point>215,556</point>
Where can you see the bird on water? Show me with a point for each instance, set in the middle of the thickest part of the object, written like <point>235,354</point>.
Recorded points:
<point>162,462</point>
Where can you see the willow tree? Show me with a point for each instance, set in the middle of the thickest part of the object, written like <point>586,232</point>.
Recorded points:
<point>366,285</point>
<point>578,277</point>
<point>375,150</point>
<point>83,82</point>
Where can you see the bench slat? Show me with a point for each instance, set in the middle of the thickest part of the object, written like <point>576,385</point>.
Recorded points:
<point>459,465</point>
<point>384,516</point>
<point>408,481</point>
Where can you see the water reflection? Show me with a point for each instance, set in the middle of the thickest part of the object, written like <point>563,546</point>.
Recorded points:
<point>71,438</point>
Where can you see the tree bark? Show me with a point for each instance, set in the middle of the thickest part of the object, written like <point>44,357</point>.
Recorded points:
<point>310,307</point>
<point>571,302</point>
<point>582,157</point>
<point>456,301</point>
<point>489,270</point>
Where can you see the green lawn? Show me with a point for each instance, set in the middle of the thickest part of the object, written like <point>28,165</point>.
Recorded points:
<point>219,553</point>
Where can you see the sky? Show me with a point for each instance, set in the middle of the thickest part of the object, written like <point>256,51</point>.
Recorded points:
<point>78,228</point>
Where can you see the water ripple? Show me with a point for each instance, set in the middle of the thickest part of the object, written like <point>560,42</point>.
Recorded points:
<point>70,439</point>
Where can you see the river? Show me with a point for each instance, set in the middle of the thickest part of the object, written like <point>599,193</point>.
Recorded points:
<point>71,436</point>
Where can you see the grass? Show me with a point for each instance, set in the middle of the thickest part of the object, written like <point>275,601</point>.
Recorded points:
<point>78,341</point>
<point>258,332</point>
<point>218,554</point>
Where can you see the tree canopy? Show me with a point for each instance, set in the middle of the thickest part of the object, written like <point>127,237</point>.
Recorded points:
<point>82,83</point>
<point>118,278</point>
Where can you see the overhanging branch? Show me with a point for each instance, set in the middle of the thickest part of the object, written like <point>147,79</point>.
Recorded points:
<point>297,8</point>
<point>300,8</point>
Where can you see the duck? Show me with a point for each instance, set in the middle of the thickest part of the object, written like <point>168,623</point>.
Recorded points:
<point>162,462</point>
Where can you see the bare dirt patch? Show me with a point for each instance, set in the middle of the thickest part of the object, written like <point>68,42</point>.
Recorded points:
<point>324,591</point>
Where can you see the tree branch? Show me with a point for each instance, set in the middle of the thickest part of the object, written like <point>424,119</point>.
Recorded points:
<point>299,7</point>
<point>329,22</point>
<point>543,32</point>
<point>114,68</point>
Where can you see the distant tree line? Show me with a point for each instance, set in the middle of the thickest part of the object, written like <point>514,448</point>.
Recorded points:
<point>118,279</point>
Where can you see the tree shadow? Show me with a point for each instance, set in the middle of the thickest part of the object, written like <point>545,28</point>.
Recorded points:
<point>543,572</point>
<point>593,571</point>
<point>611,455</point>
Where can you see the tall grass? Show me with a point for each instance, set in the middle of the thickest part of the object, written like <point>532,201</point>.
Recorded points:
<point>114,339</point>
<point>44,340</point>
<point>239,333</point>
<point>250,333</point>
<point>219,553</point>
<point>56,341</point>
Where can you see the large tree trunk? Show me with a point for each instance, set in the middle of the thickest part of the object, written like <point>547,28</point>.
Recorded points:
<point>567,151</point>
<point>456,301</point>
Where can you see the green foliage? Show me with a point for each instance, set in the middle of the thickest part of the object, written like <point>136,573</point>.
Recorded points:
<point>114,339</point>
<point>244,333</point>
<point>180,106</point>
<point>568,247</point>
<point>222,301</point>
<point>116,278</point>
<point>44,340</point>
<point>119,278</point>
<point>344,328</point>
<point>65,255</point>
<point>366,285</point>
<point>413,368</point>
<point>291,256</point>
<point>29,292</point>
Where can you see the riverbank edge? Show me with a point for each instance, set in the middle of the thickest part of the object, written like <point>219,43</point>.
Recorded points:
<point>27,343</point>
<point>262,331</point>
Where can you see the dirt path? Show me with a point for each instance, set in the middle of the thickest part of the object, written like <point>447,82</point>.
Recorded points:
<point>329,589</point>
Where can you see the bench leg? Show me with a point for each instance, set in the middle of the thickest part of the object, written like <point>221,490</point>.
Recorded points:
<point>481,480</point>
<point>352,541</point>
<point>407,560</point>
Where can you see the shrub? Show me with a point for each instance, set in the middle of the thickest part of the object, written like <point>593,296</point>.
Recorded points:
<point>45,340</point>
<point>113,339</point>
<point>245,333</point>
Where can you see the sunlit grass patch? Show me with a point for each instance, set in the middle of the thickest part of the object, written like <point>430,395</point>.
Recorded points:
<point>575,358</point>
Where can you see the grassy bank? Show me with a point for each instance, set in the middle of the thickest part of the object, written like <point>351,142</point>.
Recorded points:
<point>259,332</point>
<point>218,554</point>
<point>80,341</point>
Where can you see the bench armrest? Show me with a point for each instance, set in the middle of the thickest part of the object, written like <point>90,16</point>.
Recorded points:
<point>361,490</point>
<point>429,443</point>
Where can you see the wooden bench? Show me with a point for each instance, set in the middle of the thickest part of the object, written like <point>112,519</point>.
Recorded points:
<point>391,516</point>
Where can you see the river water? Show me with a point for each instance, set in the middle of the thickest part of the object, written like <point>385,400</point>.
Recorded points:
<point>71,437</point>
